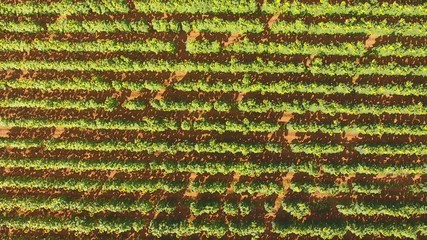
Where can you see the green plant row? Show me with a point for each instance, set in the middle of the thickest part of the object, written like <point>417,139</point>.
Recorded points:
<point>218,25</point>
<point>109,104</point>
<point>92,84</point>
<point>126,65</point>
<point>393,149</point>
<point>212,168</point>
<point>196,6</point>
<point>123,64</point>
<point>85,185</point>
<point>145,124</point>
<point>168,166</point>
<point>368,129</point>
<point>316,149</point>
<point>359,188</point>
<point>65,7</point>
<point>372,209</point>
<point>76,224</point>
<point>217,229</point>
<point>144,146</point>
<point>150,45</point>
<point>369,8</point>
<point>303,48</point>
<point>299,107</point>
<point>29,204</point>
<point>283,87</point>
<point>24,26</point>
<point>351,26</point>
<point>266,188</point>
<point>400,50</point>
<point>291,48</point>
<point>245,126</point>
<point>374,168</point>
<point>330,230</point>
<point>296,208</point>
<point>214,6</point>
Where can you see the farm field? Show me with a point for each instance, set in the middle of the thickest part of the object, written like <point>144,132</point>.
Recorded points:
<point>213,119</point>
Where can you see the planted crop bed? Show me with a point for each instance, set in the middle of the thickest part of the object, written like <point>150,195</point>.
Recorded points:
<point>195,119</point>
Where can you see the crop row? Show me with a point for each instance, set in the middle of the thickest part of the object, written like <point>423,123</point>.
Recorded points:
<point>303,48</point>
<point>265,188</point>
<point>109,104</point>
<point>245,126</point>
<point>150,45</point>
<point>283,87</point>
<point>199,207</point>
<point>330,230</point>
<point>283,7</point>
<point>214,6</point>
<point>245,85</point>
<point>212,168</point>
<point>218,229</point>
<point>205,46</point>
<point>123,64</point>
<point>91,84</point>
<point>299,107</point>
<point>322,230</point>
<point>351,26</point>
<point>213,146</point>
<point>64,7</point>
<point>218,25</point>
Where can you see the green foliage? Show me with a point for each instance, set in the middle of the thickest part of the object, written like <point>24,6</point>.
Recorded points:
<point>64,7</point>
<point>292,48</point>
<point>392,149</point>
<point>96,26</point>
<point>406,210</point>
<point>123,64</point>
<point>145,124</point>
<point>369,129</point>
<point>269,206</point>
<point>244,228</point>
<point>79,205</point>
<point>162,25</point>
<point>109,104</point>
<point>196,6</point>
<point>374,168</point>
<point>316,149</point>
<point>25,26</point>
<point>218,25</point>
<point>76,224</point>
<point>84,185</point>
<point>231,208</point>
<point>257,187</point>
<point>352,26</point>
<point>325,7</point>
<point>322,230</point>
<point>283,87</point>
<point>400,50</point>
<point>329,230</point>
<point>243,168</point>
<point>322,188</point>
<point>140,146</point>
<point>296,209</point>
<point>165,206</point>
<point>208,187</point>
<point>204,207</point>
<point>150,45</point>
<point>245,207</point>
